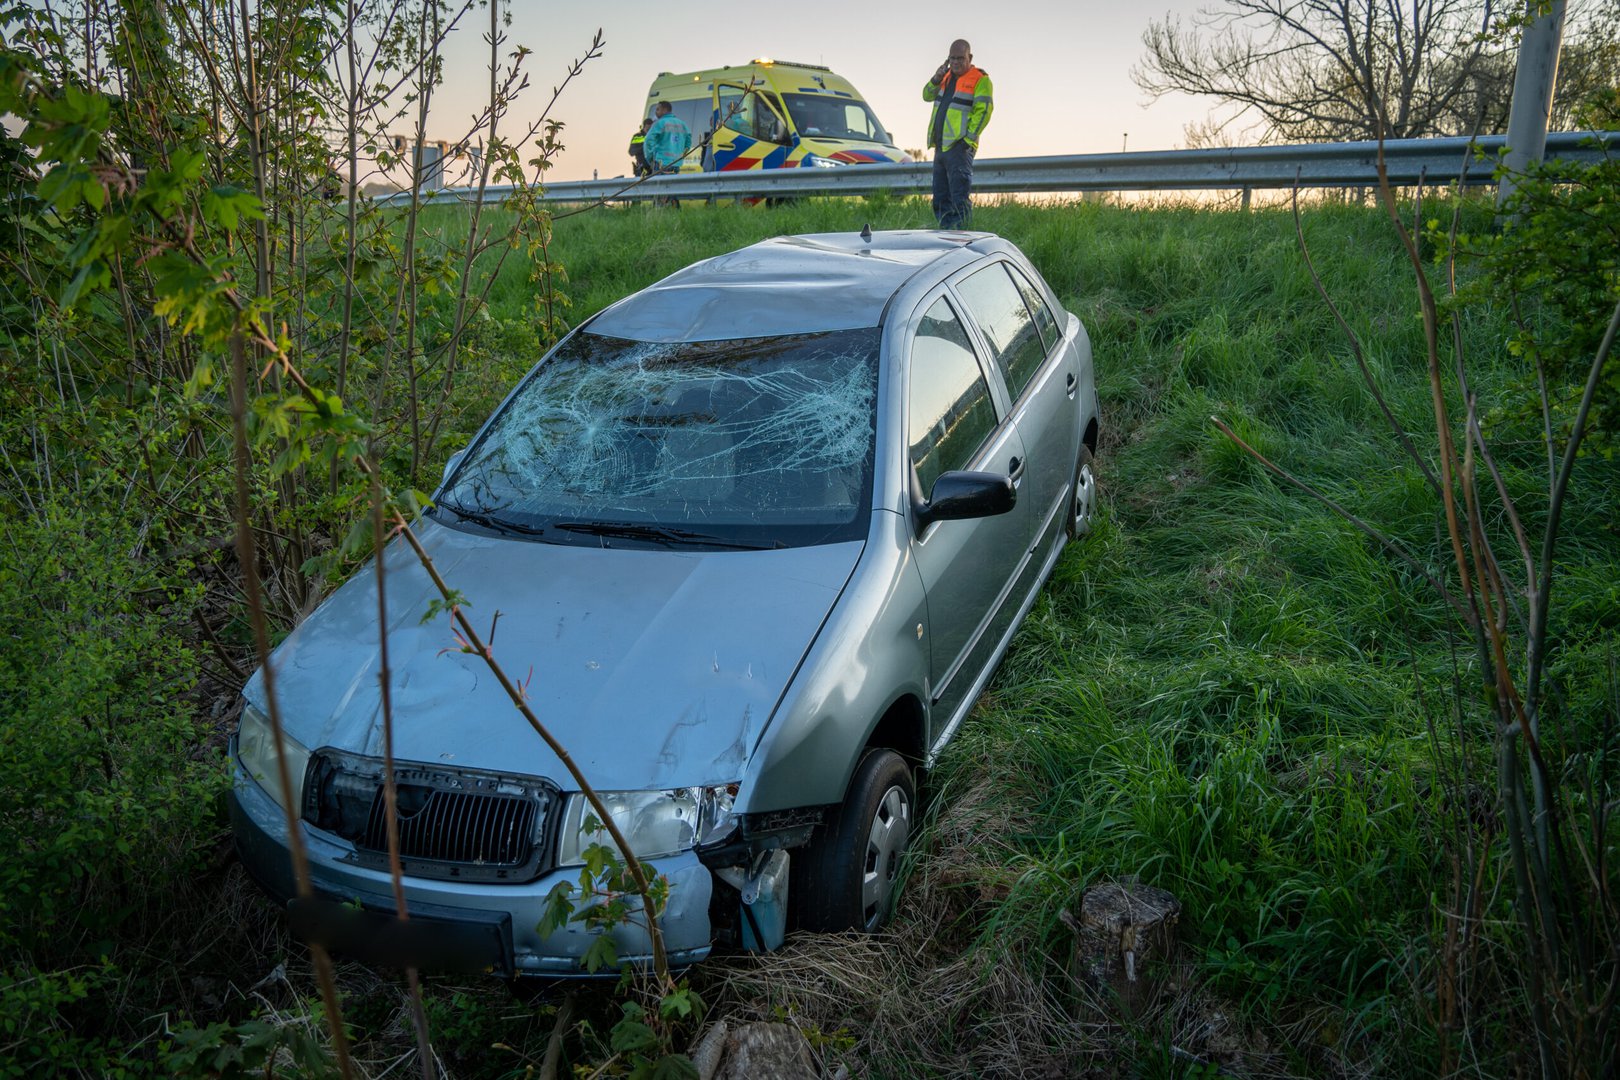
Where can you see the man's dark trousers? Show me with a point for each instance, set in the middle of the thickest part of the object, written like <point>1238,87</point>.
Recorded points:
<point>953,186</point>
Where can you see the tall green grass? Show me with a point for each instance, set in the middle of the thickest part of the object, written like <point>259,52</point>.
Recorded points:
<point>1228,691</point>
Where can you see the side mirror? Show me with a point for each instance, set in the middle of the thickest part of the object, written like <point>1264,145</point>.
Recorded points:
<point>450,466</point>
<point>962,494</point>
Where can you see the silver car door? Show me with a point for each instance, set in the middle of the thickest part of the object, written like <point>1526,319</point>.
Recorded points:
<point>968,567</point>
<point>1041,378</point>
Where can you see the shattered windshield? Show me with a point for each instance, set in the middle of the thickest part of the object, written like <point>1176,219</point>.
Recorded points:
<point>754,442</point>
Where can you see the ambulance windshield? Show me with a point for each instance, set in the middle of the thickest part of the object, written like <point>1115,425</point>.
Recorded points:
<point>823,116</point>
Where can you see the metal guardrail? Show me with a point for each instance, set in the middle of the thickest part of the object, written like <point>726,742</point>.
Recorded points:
<point>1345,164</point>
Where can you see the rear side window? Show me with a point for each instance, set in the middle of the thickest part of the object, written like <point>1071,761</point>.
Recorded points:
<point>997,306</point>
<point>949,413</point>
<point>1037,306</point>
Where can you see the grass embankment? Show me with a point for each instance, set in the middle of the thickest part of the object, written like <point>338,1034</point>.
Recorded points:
<point>1227,692</point>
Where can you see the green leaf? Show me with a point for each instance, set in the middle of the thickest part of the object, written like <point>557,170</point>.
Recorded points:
<point>602,954</point>
<point>558,910</point>
<point>677,1004</point>
<point>62,188</point>
<point>227,206</point>
<point>439,605</point>
<point>599,858</point>
<point>631,1035</point>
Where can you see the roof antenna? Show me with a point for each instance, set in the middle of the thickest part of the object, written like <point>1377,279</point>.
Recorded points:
<point>866,232</point>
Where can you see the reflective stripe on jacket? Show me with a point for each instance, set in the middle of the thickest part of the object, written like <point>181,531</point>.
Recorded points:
<point>666,142</point>
<point>967,110</point>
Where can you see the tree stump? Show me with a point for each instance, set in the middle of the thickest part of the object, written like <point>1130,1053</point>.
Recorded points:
<point>754,1052</point>
<point>1122,929</point>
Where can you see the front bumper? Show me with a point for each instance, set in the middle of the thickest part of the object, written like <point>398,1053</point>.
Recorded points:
<point>494,925</point>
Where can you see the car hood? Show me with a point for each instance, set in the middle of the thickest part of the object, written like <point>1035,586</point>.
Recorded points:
<point>654,669</point>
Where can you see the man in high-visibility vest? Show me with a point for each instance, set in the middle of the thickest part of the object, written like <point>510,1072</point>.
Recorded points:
<point>963,100</point>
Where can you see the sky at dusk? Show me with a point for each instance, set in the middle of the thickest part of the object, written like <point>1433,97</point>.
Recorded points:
<point>1061,69</point>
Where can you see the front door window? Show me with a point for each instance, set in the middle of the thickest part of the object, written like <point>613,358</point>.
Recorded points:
<point>748,112</point>
<point>949,408</point>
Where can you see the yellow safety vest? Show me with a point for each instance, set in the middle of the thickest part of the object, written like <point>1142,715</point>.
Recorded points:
<point>967,110</point>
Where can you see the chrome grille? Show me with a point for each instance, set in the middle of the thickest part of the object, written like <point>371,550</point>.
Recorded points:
<point>462,824</point>
<point>457,826</point>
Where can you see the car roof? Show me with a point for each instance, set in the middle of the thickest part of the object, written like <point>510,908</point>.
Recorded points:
<point>786,285</point>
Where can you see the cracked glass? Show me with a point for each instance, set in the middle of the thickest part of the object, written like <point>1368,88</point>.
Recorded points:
<point>758,441</point>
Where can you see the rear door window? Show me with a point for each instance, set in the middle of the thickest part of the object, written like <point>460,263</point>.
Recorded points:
<point>1044,318</point>
<point>998,307</point>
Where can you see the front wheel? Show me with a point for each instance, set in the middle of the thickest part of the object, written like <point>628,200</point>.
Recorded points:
<point>1083,496</point>
<point>846,878</point>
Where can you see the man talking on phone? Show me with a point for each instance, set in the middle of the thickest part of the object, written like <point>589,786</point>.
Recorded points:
<point>963,101</point>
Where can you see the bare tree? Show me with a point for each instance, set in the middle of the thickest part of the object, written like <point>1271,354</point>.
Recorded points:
<point>1303,70</point>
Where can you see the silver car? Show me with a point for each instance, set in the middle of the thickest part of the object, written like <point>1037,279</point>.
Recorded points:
<point>757,536</point>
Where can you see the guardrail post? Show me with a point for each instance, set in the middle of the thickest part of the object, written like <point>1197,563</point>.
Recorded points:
<point>1247,192</point>
<point>1533,82</point>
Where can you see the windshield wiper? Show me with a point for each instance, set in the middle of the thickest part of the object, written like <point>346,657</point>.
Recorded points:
<point>662,534</point>
<point>490,521</point>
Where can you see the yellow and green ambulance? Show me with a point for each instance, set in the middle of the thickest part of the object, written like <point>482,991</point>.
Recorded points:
<point>771,114</point>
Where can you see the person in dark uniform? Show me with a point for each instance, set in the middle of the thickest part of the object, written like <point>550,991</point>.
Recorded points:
<point>638,153</point>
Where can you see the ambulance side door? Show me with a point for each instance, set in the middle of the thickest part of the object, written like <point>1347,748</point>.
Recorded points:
<point>749,132</point>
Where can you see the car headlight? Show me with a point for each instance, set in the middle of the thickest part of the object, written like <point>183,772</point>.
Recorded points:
<point>654,823</point>
<point>255,748</point>
<point>826,163</point>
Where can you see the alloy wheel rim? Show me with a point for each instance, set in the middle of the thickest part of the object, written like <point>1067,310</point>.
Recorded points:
<point>885,843</point>
<point>1085,500</point>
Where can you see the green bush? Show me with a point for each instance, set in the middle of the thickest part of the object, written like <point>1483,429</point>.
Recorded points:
<point>104,790</point>
<point>1556,267</point>
<point>108,785</point>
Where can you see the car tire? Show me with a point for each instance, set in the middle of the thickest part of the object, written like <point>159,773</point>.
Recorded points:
<point>1082,495</point>
<point>846,878</point>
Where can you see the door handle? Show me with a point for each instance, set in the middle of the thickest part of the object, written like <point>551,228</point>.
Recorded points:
<point>1015,470</point>
<point>1070,383</point>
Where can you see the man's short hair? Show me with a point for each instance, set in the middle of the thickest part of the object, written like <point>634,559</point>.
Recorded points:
<point>663,108</point>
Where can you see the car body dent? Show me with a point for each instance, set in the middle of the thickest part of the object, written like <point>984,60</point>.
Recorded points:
<point>707,695</point>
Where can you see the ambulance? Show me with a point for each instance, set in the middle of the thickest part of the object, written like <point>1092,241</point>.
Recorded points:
<point>772,114</point>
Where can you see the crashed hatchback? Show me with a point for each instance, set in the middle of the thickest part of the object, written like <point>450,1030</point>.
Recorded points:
<point>757,536</point>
